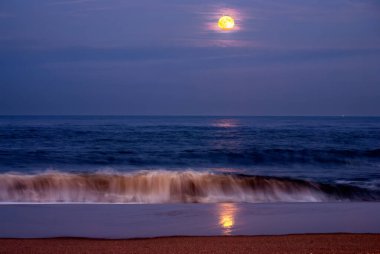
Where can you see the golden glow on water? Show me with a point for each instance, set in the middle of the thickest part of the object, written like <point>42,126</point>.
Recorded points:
<point>227,221</point>
<point>227,213</point>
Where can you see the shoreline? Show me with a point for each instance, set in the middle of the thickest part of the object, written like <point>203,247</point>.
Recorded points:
<point>293,243</point>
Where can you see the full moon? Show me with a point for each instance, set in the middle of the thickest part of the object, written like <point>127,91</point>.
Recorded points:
<point>226,23</point>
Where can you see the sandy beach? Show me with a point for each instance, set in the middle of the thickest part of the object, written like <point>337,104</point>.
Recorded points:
<point>318,243</point>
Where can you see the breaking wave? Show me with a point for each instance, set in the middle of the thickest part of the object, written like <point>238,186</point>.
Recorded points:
<point>170,187</point>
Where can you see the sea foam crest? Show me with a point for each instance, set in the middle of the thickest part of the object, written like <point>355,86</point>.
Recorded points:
<point>161,186</point>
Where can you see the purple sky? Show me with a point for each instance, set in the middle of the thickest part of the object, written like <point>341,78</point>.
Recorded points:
<point>285,57</point>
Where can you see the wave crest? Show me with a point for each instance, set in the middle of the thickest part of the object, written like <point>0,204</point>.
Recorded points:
<point>170,187</point>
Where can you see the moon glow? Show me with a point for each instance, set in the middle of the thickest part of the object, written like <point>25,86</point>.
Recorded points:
<point>226,23</point>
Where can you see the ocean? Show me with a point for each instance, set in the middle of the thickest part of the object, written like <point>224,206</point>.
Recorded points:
<point>188,159</point>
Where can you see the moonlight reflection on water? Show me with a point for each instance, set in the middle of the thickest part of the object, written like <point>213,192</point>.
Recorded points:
<point>227,213</point>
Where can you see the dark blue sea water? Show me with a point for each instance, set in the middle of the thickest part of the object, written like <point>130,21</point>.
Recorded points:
<point>188,159</point>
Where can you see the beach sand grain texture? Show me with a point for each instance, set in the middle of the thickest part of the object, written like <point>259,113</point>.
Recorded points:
<point>292,244</point>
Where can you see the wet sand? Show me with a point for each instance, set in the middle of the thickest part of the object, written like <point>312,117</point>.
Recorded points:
<point>123,221</point>
<point>319,243</point>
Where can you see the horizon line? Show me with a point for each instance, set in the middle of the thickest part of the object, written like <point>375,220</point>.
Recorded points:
<point>174,115</point>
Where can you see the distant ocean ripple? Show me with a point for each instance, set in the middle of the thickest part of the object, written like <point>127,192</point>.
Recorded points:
<point>111,159</point>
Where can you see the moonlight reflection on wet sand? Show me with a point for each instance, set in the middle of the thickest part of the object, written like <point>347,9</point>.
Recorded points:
<point>227,213</point>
